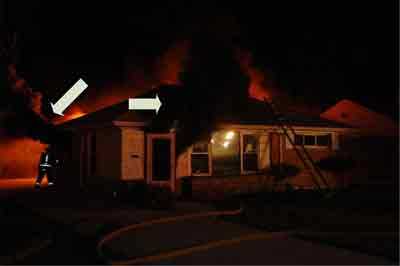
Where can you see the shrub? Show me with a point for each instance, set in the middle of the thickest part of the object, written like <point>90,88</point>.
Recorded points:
<point>283,171</point>
<point>162,198</point>
<point>336,164</point>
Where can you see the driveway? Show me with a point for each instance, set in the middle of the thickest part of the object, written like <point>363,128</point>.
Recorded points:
<point>199,240</point>
<point>211,241</point>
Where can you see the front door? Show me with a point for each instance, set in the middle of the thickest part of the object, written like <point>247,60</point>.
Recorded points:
<point>161,160</point>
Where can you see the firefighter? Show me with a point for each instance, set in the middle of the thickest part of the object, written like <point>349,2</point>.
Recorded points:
<point>47,166</point>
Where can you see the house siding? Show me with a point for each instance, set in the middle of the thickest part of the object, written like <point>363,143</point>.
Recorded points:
<point>305,178</point>
<point>273,147</point>
<point>205,187</point>
<point>132,154</point>
<point>108,154</point>
<point>183,164</point>
<point>264,153</point>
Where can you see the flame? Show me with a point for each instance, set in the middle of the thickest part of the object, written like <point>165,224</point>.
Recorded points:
<point>73,112</point>
<point>257,87</point>
<point>172,62</point>
<point>76,114</point>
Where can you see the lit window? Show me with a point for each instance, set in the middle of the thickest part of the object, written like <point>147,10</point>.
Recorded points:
<point>229,135</point>
<point>200,159</point>
<point>225,153</point>
<point>226,144</point>
<point>200,147</point>
<point>250,156</point>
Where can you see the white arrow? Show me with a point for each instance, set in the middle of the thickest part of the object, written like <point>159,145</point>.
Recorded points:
<point>145,104</point>
<point>69,97</point>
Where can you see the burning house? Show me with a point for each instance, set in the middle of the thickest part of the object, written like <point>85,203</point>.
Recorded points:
<point>234,148</point>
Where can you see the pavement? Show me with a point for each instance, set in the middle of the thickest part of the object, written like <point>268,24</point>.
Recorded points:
<point>212,241</point>
<point>202,240</point>
<point>12,185</point>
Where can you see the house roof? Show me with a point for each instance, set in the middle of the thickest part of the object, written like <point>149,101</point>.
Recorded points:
<point>355,115</point>
<point>177,105</point>
<point>116,112</point>
<point>257,112</point>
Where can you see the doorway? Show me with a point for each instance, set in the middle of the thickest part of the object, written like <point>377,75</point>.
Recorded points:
<point>161,160</point>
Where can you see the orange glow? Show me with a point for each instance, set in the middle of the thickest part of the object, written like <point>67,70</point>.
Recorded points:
<point>355,115</point>
<point>19,184</point>
<point>20,87</point>
<point>72,113</point>
<point>171,64</point>
<point>164,70</point>
<point>257,87</point>
<point>76,115</point>
<point>19,157</point>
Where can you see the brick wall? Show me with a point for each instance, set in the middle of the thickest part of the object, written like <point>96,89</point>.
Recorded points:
<point>208,187</point>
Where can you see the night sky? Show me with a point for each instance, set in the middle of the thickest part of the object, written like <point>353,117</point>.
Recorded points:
<point>320,50</point>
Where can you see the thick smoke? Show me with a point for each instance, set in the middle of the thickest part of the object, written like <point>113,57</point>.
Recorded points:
<point>22,126</point>
<point>140,76</point>
<point>263,86</point>
<point>23,93</point>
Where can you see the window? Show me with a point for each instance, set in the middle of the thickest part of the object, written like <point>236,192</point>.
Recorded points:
<point>225,147</point>
<point>298,139</point>
<point>324,140</point>
<point>200,159</point>
<point>309,140</point>
<point>250,155</point>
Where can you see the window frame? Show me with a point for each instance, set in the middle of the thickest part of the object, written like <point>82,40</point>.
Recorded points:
<point>315,135</point>
<point>242,153</point>
<point>191,152</point>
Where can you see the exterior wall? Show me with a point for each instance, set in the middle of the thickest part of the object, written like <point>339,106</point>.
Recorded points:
<point>108,154</point>
<point>305,179</point>
<point>183,164</point>
<point>273,146</point>
<point>205,187</point>
<point>132,154</point>
<point>120,155</point>
<point>264,152</point>
<point>150,138</point>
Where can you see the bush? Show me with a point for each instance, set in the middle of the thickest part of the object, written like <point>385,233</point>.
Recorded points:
<point>283,171</point>
<point>336,164</point>
<point>162,198</point>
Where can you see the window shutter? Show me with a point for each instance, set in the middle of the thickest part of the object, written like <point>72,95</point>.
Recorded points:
<point>335,141</point>
<point>263,155</point>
